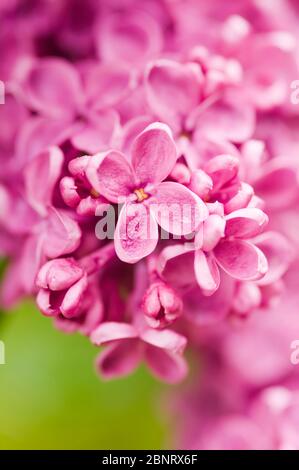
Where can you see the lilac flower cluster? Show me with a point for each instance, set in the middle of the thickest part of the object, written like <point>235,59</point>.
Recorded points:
<point>176,115</point>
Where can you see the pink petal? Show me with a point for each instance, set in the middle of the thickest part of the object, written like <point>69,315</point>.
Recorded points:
<point>31,258</point>
<point>41,175</point>
<point>210,148</point>
<point>264,346</point>
<point>44,304</point>
<point>39,133</point>
<point>241,259</point>
<point>269,67</point>
<point>278,185</point>
<point>213,231</point>
<point>11,290</point>
<point>92,206</point>
<point>128,39</point>
<point>245,223</point>
<point>69,191</point>
<point>248,297</point>
<point>111,331</point>
<point>77,166</point>
<point>204,310</point>
<point>136,234</point>
<point>14,114</point>
<point>177,209</point>
<point>62,234</point>
<point>154,154</point>
<point>131,129</point>
<point>230,118</point>
<point>241,199</point>
<point>201,183</point>
<point>107,84</point>
<point>176,265</point>
<point>279,254</point>
<point>94,315</point>
<point>111,175</point>
<point>59,274</point>
<point>53,88</point>
<point>235,432</point>
<point>253,158</point>
<point>96,133</point>
<point>173,89</point>
<point>222,169</point>
<point>166,366</point>
<point>164,339</point>
<point>119,358</point>
<point>207,272</point>
<point>71,304</point>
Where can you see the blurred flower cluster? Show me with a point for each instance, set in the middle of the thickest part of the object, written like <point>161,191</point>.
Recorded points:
<point>149,197</point>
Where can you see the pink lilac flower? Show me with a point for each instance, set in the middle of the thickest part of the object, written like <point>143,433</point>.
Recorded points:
<point>129,344</point>
<point>78,193</point>
<point>67,106</point>
<point>68,290</point>
<point>148,200</point>
<point>161,305</point>
<point>177,118</point>
<point>191,117</point>
<point>221,242</point>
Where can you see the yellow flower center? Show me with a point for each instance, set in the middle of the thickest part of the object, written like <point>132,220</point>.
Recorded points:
<point>141,195</point>
<point>94,193</point>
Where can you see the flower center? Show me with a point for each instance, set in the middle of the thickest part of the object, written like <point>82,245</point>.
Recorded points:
<point>94,193</point>
<point>141,195</point>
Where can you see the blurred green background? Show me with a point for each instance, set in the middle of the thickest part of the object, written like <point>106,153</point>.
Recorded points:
<point>51,397</point>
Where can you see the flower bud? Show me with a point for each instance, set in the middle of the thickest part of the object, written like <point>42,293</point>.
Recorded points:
<point>161,305</point>
<point>62,285</point>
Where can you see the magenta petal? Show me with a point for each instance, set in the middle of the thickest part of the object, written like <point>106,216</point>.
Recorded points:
<point>245,223</point>
<point>59,274</point>
<point>207,272</point>
<point>241,199</point>
<point>248,297</point>
<point>164,339</point>
<point>53,88</point>
<point>38,134</point>
<point>96,133</point>
<point>119,358</point>
<point>69,191</point>
<point>31,258</point>
<point>177,209</point>
<point>166,366</point>
<point>173,89</point>
<point>205,310</point>
<point>222,169</point>
<point>107,84</point>
<point>92,206</point>
<point>136,234</point>
<point>264,346</point>
<point>72,301</point>
<point>41,175</point>
<point>279,254</point>
<point>11,287</point>
<point>241,260</point>
<point>128,39</point>
<point>230,118</point>
<point>111,331</point>
<point>62,234</point>
<point>278,185</point>
<point>213,231</point>
<point>176,265</point>
<point>111,175</point>
<point>153,153</point>
<point>44,304</point>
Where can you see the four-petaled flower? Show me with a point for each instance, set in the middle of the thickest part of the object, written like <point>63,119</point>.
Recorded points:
<point>148,201</point>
